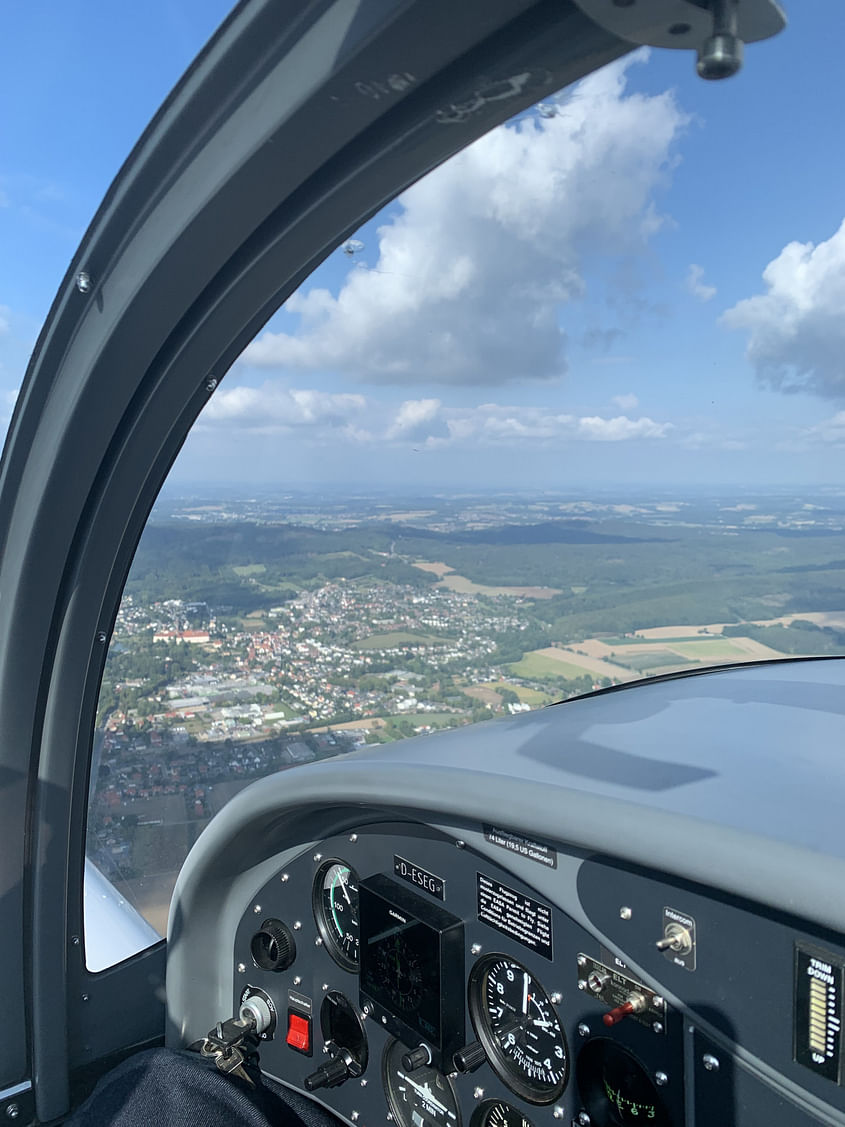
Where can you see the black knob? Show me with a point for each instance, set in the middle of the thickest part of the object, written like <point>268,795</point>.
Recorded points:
<point>470,1057</point>
<point>273,946</point>
<point>328,1075</point>
<point>416,1058</point>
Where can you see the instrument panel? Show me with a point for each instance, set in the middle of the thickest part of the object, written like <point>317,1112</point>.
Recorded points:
<point>415,981</point>
<point>430,987</point>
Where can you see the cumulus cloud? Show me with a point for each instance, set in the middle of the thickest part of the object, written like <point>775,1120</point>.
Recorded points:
<point>426,422</point>
<point>626,402</point>
<point>695,285</point>
<point>797,328</point>
<point>472,268</point>
<point>272,408</point>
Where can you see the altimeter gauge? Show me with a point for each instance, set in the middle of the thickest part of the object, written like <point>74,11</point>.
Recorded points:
<point>516,1023</point>
<point>335,901</point>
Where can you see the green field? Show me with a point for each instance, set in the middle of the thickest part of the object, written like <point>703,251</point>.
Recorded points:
<point>632,640</point>
<point>538,667</point>
<point>528,696</point>
<point>397,638</point>
<point>711,650</point>
<point>655,659</point>
<point>249,569</point>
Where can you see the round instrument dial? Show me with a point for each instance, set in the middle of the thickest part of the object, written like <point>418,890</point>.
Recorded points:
<point>518,1027</point>
<point>498,1113</point>
<point>422,1098</point>
<point>616,1087</point>
<point>335,900</point>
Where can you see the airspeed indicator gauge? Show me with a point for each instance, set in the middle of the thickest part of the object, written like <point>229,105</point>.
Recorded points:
<point>335,902</point>
<point>518,1027</point>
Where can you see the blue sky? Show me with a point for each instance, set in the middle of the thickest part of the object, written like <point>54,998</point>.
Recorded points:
<point>608,295</point>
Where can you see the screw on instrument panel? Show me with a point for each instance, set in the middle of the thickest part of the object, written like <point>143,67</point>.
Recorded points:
<point>478,1093</point>
<point>75,940</point>
<point>658,1002</point>
<point>211,383</point>
<point>582,960</point>
<point>625,913</point>
<point>284,878</point>
<point>241,968</point>
<point>476,949</point>
<point>363,1081</point>
<point>384,1021</point>
<point>558,1112</point>
<point>83,282</point>
<point>661,1079</point>
<point>583,1029</point>
<point>556,998</point>
<point>390,1117</point>
<point>297,980</point>
<point>84,997</point>
<point>324,987</point>
<point>657,1027</point>
<point>459,844</point>
<point>583,1119</point>
<point>318,942</point>
<point>12,1111</point>
<point>318,856</point>
<point>257,909</point>
<point>368,1009</point>
<point>102,637</point>
<point>297,925</point>
<point>582,985</point>
<point>353,1115</point>
<point>710,1062</point>
<point>353,838</point>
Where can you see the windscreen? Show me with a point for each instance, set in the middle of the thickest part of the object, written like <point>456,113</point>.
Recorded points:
<point>563,416</point>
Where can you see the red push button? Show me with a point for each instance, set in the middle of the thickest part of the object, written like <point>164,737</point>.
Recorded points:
<point>299,1033</point>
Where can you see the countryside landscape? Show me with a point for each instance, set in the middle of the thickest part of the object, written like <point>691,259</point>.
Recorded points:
<point>263,630</point>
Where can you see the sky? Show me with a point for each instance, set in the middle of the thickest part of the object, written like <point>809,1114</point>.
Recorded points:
<point>640,282</point>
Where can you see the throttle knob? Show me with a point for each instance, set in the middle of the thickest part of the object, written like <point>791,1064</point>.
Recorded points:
<point>273,946</point>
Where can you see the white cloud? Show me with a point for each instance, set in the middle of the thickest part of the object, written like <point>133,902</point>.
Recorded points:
<point>272,408</point>
<point>797,328</point>
<point>621,428</point>
<point>695,285</point>
<point>415,419</point>
<point>626,402</point>
<point>830,431</point>
<point>472,268</point>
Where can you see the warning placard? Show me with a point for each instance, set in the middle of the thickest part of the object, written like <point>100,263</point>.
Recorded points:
<point>512,913</point>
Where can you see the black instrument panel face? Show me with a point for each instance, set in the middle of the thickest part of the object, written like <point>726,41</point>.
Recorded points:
<point>426,940</point>
<point>473,999</point>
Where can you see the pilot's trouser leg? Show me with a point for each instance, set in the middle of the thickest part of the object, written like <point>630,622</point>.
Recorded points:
<point>163,1086</point>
